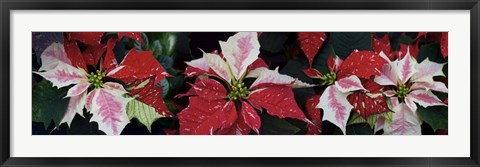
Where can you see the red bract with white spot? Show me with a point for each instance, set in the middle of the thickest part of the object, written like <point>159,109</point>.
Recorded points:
<point>413,83</point>
<point>345,87</point>
<point>221,103</point>
<point>315,115</point>
<point>310,42</point>
<point>383,45</point>
<point>362,64</point>
<point>64,65</point>
<point>147,91</point>
<point>369,102</point>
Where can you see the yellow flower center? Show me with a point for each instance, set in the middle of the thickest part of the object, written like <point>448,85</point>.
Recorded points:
<point>402,90</point>
<point>329,78</point>
<point>239,91</point>
<point>96,78</point>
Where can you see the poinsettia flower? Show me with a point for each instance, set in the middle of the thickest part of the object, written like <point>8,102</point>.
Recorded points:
<point>64,65</point>
<point>223,103</point>
<point>343,80</point>
<point>413,84</point>
<point>106,100</point>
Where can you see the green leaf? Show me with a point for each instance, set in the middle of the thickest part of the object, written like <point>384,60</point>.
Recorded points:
<point>165,87</point>
<point>435,116</point>
<point>355,118</point>
<point>161,43</point>
<point>320,61</point>
<point>407,40</point>
<point>156,48</point>
<point>273,41</point>
<point>388,116</point>
<point>145,40</point>
<point>442,96</point>
<point>345,42</point>
<point>168,122</point>
<point>359,129</point>
<point>445,70</point>
<point>272,125</point>
<point>48,103</point>
<point>182,45</point>
<point>432,51</point>
<point>371,120</point>
<point>79,126</point>
<point>167,63</point>
<point>169,43</point>
<point>170,84</point>
<point>394,35</point>
<point>355,129</point>
<point>144,113</point>
<point>412,35</point>
<point>139,46</point>
<point>171,107</point>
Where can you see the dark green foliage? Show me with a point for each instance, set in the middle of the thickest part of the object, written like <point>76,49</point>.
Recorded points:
<point>272,125</point>
<point>359,129</point>
<point>345,42</point>
<point>48,103</point>
<point>435,116</point>
<point>432,51</point>
<point>273,41</point>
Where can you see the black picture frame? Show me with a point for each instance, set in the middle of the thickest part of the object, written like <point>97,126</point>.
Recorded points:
<point>7,5</point>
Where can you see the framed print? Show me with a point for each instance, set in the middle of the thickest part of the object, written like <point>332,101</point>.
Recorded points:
<point>195,83</point>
